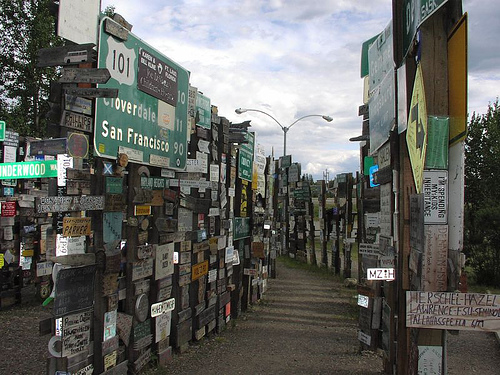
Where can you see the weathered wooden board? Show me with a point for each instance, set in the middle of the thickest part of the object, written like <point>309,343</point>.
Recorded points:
<point>92,92</point>
<point>456,311</point>
<point>63,204</point>
<point>84,75</point>
<point>435,258</point>
<point>77,121</point>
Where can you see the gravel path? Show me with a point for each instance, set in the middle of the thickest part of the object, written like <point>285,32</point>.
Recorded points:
<point>306,324</point>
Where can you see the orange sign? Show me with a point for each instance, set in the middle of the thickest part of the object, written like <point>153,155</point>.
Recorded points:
<point>199,270</point>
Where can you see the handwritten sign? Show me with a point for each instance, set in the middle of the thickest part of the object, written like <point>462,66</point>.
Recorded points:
<point>435,258</point>
<point>386,274</point>
<point>74,289</point>
<point>457,311</point>
<point>76,226</point>
<point>163,323</point>
<point>76,333</point>
<point>142,269</point>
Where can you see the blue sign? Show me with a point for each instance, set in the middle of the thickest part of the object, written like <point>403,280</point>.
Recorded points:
<point>372,171</point>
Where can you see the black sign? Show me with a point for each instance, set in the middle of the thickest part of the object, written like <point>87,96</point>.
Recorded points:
<point>85,75</point>
<point>77,121</point>
<point>74,288</point>
<point>155,77</point>
<point>48,147</point>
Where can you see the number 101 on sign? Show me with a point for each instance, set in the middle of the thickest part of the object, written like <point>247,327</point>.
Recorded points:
<point>387,274</point>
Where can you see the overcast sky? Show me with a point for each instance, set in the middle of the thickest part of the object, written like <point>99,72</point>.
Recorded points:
<point>292,58</point>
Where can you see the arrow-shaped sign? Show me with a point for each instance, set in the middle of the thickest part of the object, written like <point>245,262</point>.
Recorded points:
<point>85,75</point>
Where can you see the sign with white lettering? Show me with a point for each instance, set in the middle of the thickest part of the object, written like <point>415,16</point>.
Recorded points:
<point>457,311</point>
<point>150,113</point>
<point>163,307</point>
<point>28,169</point>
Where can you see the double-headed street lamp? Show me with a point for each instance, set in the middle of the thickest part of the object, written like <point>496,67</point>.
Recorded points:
<point>285,129</point>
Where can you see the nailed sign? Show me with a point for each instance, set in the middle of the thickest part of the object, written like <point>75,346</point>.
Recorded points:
<point>447,310</point>
<point>435,189</point>
<point>77,203</point>
<point>149,117</point>
<point>77,121</point>
<point>76,226</point>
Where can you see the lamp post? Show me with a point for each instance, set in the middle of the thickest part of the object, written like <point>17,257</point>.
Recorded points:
<point>285,129</point>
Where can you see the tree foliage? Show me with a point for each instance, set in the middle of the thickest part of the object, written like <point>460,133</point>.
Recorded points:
<point>26,26</point>
<point>482,195</point>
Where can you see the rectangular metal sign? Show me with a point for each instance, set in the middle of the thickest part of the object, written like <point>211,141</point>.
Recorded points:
<point>435,189</point>
<point>245,158</point>
<point>28,169</point>
<point>149,116</point>
<point>203,111</point>
<point>77,121</point>
<point>386,274</point>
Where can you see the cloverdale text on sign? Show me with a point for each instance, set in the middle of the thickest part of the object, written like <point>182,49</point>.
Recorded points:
<point>30,169</point>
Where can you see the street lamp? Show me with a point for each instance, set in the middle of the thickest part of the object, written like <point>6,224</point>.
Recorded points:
<point>285,129</point>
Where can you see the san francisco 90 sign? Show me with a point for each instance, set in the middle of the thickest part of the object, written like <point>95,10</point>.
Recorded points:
<point>148,119</point>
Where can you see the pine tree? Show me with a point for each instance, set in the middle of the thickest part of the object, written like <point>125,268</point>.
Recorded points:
<point>26,26</point>
<point>482,196</point>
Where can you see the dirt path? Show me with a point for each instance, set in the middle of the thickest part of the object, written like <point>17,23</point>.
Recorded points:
<point>305,325</point>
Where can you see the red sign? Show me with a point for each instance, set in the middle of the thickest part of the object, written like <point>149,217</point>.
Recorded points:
<point>8,209</point>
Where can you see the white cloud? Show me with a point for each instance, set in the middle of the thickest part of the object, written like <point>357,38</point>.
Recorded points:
<point>293,58</point>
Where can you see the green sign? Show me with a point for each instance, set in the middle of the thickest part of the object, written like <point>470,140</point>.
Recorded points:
<point>203,111</point>
<point>28,169</point>
<point>2,131</point>
<point>148,119</point>
<point>241,227</point>
<point>414,13</point>
<point>245,158</point>
<point>364,55</point>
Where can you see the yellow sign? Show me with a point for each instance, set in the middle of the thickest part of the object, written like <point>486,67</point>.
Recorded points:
<point>457,80</point>
<point>1,261</point>
<point>199,270</point>
<point>76,226</point>
<point>416,134</point>
<point>142,210</point>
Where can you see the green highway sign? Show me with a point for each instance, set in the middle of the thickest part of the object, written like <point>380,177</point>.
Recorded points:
<point>245,158</point>
<point>148,119</point>
<point>203,111</point>
<point>415,12</point>
<point>28,169</point>
<point>2,131</point>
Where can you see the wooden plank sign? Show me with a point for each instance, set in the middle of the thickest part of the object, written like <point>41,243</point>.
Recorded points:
<point>85,75</point>
<point>449,310</point>
<point>435,258</point>
<point>68,54</point>
<point>77,226</point>
<point>76,203</point>
<point>92,92</point>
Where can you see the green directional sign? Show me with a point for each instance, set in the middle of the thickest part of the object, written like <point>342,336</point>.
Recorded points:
<point>2,131</point>
<point>245,158</point>
<point>28,169</point>
<point>148,119</point>
<point>415,12</point>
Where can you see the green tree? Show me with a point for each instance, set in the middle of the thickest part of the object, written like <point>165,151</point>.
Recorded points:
<point>482,196</point>
<point>26,26</point>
